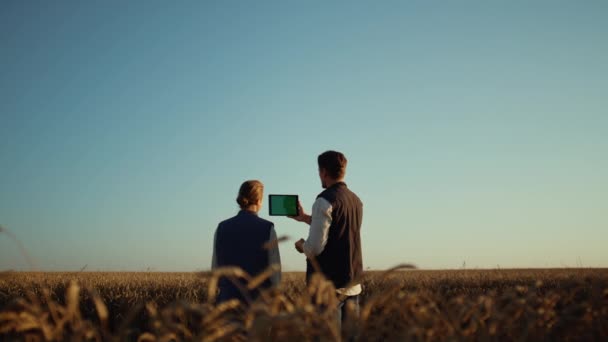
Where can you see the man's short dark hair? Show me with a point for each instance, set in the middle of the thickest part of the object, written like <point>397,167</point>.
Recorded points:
<point>334,163</point>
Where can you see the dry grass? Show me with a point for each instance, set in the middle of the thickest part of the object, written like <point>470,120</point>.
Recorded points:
<point>495,305</point>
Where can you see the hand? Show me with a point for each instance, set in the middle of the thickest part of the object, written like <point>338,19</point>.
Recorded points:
<point>300,245</point>
<point>302,217</point>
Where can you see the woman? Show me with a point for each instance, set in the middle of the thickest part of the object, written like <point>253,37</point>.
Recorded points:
<point>239,241</point>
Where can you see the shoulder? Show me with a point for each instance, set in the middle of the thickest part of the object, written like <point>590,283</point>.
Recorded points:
<point>262,226</point>
<point>227,222</point>
<point>322,204</point>
<point>352,195</point>
<point>328,194</point>
<point>356,197</point>
<point>264,221</point>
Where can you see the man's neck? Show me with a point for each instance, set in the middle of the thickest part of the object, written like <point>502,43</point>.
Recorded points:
<point>333,182</point>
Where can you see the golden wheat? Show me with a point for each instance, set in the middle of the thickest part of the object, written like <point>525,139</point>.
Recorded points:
<point>496,305</point>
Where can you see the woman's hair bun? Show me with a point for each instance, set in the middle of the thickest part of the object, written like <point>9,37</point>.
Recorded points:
<point>250,193</point>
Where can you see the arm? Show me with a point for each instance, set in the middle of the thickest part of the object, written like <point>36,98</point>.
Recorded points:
<point>274,258</point>
<point>319,228</point>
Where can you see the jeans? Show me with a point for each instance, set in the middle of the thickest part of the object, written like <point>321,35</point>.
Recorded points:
<point>343,316</point>
<point>343,311</point>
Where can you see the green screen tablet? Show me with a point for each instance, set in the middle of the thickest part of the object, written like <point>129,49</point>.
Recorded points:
<point>283,205</point>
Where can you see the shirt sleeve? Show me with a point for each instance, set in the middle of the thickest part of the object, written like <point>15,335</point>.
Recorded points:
<point>274,258</point>
<point>214,256</point>
<point>319,228</point>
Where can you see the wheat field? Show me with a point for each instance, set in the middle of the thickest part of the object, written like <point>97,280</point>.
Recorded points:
<point>412,305</point>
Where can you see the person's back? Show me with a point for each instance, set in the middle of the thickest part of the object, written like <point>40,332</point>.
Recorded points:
<point>341,258</point>
<point>239,242</point>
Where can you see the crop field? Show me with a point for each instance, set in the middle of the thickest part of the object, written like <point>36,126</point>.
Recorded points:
<point>411,305</point>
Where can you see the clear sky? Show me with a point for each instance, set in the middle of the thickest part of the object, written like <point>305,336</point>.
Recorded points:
<point>476,132</point>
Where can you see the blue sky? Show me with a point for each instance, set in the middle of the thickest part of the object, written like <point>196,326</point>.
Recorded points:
<point>475,131</point>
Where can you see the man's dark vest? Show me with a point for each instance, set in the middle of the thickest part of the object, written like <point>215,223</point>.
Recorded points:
<point>341,259</point>
<point>239,242</point>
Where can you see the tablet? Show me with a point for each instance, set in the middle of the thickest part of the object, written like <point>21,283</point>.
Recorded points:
<point>283,205</point>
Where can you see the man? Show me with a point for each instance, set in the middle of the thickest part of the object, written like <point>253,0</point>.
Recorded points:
<point>334,239</point>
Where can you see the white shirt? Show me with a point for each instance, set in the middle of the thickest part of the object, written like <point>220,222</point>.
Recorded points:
<point>317,237</point>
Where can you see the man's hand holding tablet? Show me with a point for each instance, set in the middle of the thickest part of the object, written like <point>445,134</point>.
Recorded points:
<point>302,217</point>
<point>290,206</point>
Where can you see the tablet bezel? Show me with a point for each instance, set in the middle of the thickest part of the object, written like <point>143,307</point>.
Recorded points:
<point>270,205</point>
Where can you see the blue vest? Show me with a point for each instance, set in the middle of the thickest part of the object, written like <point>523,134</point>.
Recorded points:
<point>239,242</point>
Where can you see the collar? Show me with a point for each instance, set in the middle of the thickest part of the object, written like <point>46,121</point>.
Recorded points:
<point>247,212</point>
<point>340,183</point>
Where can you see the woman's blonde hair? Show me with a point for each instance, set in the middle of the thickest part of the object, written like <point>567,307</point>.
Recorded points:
<point>250,193</point>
